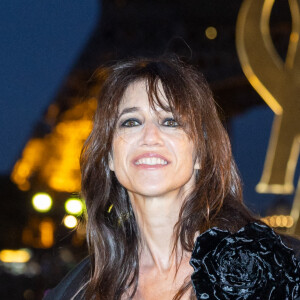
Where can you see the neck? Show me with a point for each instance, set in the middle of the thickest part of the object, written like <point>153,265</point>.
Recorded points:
<point>156,217</point>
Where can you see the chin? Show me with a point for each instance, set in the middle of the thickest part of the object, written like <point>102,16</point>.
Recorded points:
<point>155,190</point>
<point>150,191</point>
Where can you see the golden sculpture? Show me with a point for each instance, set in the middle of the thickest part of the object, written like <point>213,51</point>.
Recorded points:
<point>278,83</point>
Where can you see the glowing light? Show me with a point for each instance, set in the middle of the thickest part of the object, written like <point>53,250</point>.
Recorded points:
<point>274,188</point>
<point>63,173</point>
<point>15,256</point>
<point>279,221</point>
<point>74,206</point>
<point>70,221</point>
<point>54,159</point>
<point>284,221</point>
<point>31,158</point>
<point>46,228</point>
<point>42,202</point>
<point>211,33</point>
<point>272,221</point>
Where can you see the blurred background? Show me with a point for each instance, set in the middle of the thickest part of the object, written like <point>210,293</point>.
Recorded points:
<point>50,49</point>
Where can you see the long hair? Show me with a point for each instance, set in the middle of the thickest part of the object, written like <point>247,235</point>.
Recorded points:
<point>112,232</point>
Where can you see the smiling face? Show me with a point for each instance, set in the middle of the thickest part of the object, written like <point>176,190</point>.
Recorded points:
<point>151,154</point>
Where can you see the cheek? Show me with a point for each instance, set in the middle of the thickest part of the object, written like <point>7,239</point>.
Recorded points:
<point>116,154</point>
<point>121,149</point>
<point>187,157</point>
<point>185,150</point>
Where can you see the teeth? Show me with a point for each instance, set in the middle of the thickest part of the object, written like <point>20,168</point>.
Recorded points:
<point>151,161</point>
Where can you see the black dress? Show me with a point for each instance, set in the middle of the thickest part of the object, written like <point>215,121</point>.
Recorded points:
<point>71,283</point>
<point>69,286</point>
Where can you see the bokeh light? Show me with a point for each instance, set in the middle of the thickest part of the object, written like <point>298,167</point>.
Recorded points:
<point>42,202</point>
<point>211,33</point>
<point>70,221</point>
<point>15,256</point>
<point>74,206</point>
<point>279,221</point>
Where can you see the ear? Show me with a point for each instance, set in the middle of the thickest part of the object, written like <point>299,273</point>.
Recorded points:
<point>111,162</point>
<point>197,164</point>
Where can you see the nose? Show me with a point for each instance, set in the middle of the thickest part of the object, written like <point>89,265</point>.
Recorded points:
<point>151,135</point>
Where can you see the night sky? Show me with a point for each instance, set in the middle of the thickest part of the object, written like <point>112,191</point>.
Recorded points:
<point>41,40</point>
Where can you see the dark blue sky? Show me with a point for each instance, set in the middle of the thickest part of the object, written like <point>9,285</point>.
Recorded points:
<point>40,40</point>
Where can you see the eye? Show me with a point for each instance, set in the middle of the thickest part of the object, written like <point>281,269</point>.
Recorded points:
<point>170,122</point>
<point>130,123</point>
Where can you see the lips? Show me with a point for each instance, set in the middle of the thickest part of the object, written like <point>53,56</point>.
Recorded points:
<point>150,160</point>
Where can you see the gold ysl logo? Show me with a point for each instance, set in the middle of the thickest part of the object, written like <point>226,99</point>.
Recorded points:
<point>278,83</point>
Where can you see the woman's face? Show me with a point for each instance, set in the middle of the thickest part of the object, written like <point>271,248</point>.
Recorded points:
<point>151,154</point>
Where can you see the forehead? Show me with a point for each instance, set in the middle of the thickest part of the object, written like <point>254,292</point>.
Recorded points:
<point>137,95</point>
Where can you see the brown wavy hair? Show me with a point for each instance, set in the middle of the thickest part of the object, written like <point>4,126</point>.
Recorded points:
<point>113,235</point>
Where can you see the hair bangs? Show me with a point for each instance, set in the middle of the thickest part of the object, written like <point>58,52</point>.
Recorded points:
<point>168,95</point>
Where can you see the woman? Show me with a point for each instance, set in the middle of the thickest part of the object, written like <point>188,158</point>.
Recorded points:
<point>157,171</point>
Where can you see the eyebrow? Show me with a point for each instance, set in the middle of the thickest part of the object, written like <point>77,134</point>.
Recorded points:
<point>128,110</point>
<point>135,109</point>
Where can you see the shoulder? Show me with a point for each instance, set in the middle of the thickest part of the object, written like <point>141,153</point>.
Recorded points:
<point>71,283</point>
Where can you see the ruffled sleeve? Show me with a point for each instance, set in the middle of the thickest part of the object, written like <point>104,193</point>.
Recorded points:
<point>253,263</point>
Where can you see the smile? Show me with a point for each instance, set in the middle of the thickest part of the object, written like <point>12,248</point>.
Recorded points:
<point>151,161</point>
